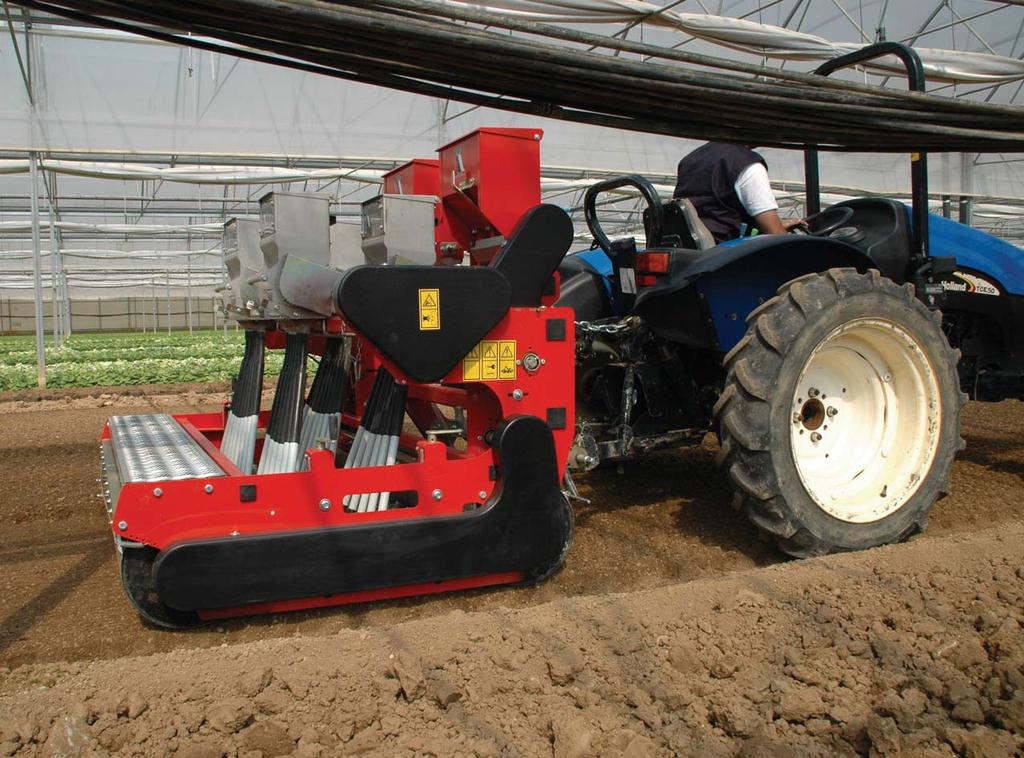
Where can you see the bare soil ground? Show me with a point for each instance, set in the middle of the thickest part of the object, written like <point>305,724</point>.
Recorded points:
<point>664,522</point>
<point>907,650</point>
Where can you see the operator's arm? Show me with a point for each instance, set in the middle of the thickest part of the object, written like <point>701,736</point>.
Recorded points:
<point>770,223</point>
<point>755,192</point>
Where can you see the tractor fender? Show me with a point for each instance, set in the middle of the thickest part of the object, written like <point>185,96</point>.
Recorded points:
<point>706,297</point>
<point>983,253</point>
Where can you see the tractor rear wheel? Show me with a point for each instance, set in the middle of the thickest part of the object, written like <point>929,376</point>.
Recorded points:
<point>840,415</point>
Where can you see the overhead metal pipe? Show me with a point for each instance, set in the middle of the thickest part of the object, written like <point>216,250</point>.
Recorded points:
<point>405,52</point>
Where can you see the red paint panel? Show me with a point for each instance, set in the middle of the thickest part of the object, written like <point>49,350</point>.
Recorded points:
<point>417,177</point>
<point>489,178</point>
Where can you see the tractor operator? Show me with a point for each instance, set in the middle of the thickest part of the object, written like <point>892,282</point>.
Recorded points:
<point>729,188</point>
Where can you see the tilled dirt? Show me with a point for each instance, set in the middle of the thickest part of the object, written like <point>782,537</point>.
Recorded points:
<point>57,561</point>
<point>664,521</point>
<point>909,650</point>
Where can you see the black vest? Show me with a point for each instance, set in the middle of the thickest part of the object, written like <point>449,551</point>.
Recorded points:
<point>707,177</point>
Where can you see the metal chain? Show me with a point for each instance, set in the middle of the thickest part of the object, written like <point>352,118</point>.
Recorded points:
<point>591,327</point>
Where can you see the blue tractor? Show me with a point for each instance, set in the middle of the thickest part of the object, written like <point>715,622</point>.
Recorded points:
<point>832,365</point>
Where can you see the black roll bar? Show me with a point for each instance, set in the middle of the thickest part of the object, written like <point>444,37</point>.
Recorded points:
<point>918,161</point>
<point>649,194</point>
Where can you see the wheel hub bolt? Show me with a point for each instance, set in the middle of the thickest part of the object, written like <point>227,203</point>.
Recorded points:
<point>813,392</point>
<point>831,411</point>
<point>815,437</point>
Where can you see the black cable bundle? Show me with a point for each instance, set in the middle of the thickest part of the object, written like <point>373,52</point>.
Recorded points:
<point>419,47</point>
<point>322,411</point>
<point>376,439</point>
<point>281,447</point>
<point>239,441</point>
<point>328,388</point>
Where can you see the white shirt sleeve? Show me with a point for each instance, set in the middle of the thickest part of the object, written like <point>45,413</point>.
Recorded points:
<point>755,191</point>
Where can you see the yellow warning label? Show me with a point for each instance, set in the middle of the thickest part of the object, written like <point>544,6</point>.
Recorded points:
<point>471,365</point>
<point>490,360</point>
<point>430,310</point>
<point>507,359</point>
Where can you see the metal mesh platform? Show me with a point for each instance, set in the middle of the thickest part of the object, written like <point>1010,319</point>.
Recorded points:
<point>152,447</point>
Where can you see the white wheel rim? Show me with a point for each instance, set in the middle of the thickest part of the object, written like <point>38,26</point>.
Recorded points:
<point>865,420</point>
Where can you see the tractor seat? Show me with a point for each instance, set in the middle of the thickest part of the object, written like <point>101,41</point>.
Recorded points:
<point>427,318</point>
<point>702,238</point>
<point>681,226</point>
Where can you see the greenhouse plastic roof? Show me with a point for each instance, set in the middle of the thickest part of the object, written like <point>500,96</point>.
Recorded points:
<point>145,136</point>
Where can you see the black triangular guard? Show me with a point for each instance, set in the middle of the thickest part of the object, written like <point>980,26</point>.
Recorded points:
<point>383,303</point>
<point>533,251</point>
<point>527,526</point>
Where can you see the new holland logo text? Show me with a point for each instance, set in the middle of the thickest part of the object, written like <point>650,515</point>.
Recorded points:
<point>969,284</point>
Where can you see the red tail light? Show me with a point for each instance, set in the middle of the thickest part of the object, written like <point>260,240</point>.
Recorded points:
<point>653,263</point>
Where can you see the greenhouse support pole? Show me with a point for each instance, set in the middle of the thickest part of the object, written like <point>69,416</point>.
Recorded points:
<point>37,272</point>
<point>168,301</point>
<point>67,301</point>
<point>967,187</point>
<point>188,289</point>
<point>57,321</point>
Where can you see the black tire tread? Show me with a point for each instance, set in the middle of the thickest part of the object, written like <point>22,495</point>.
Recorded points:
<point>743,409</point>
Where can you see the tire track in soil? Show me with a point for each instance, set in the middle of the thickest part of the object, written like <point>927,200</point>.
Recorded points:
<point>666,520</point>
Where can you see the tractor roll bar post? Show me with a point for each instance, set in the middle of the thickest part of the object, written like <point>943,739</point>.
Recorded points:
<point>647,191</point>
<point>918,161</point>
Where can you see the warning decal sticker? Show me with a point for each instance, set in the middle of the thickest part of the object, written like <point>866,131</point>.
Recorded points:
<point>430,310</point>
<point>489,361</point>
<point>507,359</point>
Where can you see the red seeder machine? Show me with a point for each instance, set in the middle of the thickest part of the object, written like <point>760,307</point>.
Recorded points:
<point>469,366</point>
<point>428,452</point>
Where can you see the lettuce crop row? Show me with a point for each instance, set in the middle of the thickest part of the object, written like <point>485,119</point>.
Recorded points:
<point>127,359</point>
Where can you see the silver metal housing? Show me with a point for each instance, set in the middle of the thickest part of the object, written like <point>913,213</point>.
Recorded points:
<point>399,229</point>
<point>246,294</point>
<point>292,223</point>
